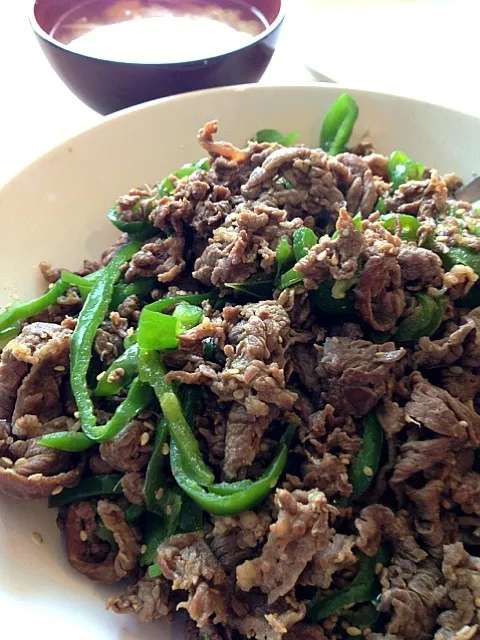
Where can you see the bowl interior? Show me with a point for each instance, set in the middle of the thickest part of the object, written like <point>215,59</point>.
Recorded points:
<point>55,210</point>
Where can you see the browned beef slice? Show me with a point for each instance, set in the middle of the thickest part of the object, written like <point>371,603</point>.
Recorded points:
<point>356,373</point>
<point>299,532</point>
<point>471,356</point>
<point>423,455</point>
<point>467,493</point>
<point>336,258</point>
<point>424,198</point>
<point>90,555</point>
<point>189,563</point>
<point>304,362</point>
<point>336,556</point>
<point>148,597</point>
<point>226,549</point>
<point>380,299</point>
<point>462,590</point>
<point>426,506</point>
<point>132,485</point>
<point>420,266</point>
<point>272,621</point>
<point>438,353</point>
<point>440,412</point>
<point>161,258</point>
<point>372,524</point>
<point>461,383</point>
<point>328,473</point>
<point>246,242</point>
<point>32,369</point>
<point>125,452</point>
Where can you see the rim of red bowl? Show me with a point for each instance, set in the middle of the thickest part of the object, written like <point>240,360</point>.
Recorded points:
<point>261,36</point>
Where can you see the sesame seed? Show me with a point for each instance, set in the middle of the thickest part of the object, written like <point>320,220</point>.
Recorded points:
<point>35,476</point>
<point>168,510</point>
<point>143,548</point>
<point>145,437</point>
<point>37,537</point>
<point>149,425</point>
<point>58,489</point>
<point>368,471</point>
<point>130,332</point>
<point>76,415</point>
<point>367,631</point>
<point>477,602</point>
<point>83,536</point>
<point>59,367</point>
<point>6,462</point>
<point>463,424</point>
<point>159,494</point>
<point>378,567</point>
<point>165,449</point>
<point>354,631</point>
<point>101,375</point>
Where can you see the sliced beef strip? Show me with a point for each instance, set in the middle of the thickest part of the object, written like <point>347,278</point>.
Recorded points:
<point>427,508</point>
<point>149,598</point>
<point>422,455</point>
<point>300,531</point>
<point>356,373</point>
<point>91,556</point>
<point>441,413</point>
<point>32,369</point>
<point>189,563</point>
<point>372,524</point>
<point>423,199</point>
<point>419,266</point>
<point>328,473</point>
<point>467,493</point>
<point>270,621</point>
<point>161,258</point>
<point>336,556</point>
<point>380,299</point>
<point>471,355</point>
<point>132,485</point>
<point>337,258</point>
<point>445,351</point>
<point>125,452</point>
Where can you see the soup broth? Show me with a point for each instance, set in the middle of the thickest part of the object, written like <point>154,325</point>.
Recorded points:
<point>160,31</point>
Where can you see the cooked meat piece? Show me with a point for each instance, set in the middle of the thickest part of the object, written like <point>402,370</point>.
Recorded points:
<point>439,353</point>
<point>424,455</point>
<point>125,452</point>
<point>186,558</point>
<point>299,532</point>
<point>440,412</point>
<point>206,603</point>
<point>419,266</point>
<point>461,383</point>
<point>328,474</point>
<point>372,524</point>
<point>336,556</point>
<point>471,355</point>
<point>380,300</point>
<point>270,622</point>
<point>161,258</point>
<point>356,373</point>
<point>149,598</point>
<point>336,258</point>
<point>32,369</point>
<point>90,555</point>
<point>228,552</point>
<point>224,149</point>
<point>423,199</point>
<point>467,493</point>
<point>132,485</point>
<point>426,506</point>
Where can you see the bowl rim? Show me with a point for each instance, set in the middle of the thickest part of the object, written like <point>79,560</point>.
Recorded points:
<point>254,87</point>
<point>44,35</point>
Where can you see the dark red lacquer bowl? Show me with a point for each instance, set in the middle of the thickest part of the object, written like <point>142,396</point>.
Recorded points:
<point>109,85</point>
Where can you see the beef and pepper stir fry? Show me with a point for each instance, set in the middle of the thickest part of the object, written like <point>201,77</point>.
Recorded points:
<point>261,405</point>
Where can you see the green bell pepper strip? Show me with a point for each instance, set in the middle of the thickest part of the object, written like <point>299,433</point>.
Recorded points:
<point>272,135</point>
<point>357,220</point>
<point>155,477</point>
<point>152,371</point>
<point>156,530</point>
<point>285,258</point>
<point>167,303</point>
<point>366,616</point>
<point>290,278</point>
<point>437,316</point>
<point>368,458</point>
<point>303,240</point>
<point>8,334</point>
<point>157,331</point>
<point>381,206</point>
<point>128,361</point>
<point>22,310</point>
<point>105,534</point>
<point>222,500</point>
<point>93,487</point>
<point>409,225</point>
<point>459,255</point>
<point>325,303</point>
<point>363,588</point>
<point>189,315</point>
<point>260,285</point>
<point>154,571</point>
<point>134,512</point>
<point>90,318</point>
<point>141,229</point>
<point>401,169</point>
<point>338,124</point>
<point>73,280</point>
<point>422,322</point>
<point>139,288</point>
<point>166,187</point>
<point>139,396</point>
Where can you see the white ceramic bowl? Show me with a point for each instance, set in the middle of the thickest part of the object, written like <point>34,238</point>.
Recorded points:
<point>55,210</point>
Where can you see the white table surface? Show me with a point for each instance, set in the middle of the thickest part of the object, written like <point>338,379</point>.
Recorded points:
<point>422,48</point>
